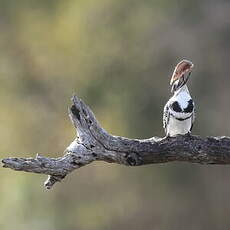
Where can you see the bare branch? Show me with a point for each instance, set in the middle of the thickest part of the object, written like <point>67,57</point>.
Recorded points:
<point>94,143</point>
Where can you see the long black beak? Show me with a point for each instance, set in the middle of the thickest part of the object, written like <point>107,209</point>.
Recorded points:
<point>187,77</point>
<point>180,82</point>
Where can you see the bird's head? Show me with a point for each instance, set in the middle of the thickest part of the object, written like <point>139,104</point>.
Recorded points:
<point>181,74</point>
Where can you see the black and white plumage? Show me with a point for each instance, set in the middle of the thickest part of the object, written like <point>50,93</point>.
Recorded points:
<point>179,112</point>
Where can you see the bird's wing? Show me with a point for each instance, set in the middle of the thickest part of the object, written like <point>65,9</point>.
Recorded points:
<point>193,116</point>
<point>166,117</point>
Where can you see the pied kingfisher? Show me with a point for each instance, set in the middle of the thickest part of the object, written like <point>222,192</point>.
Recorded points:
<point>179,113</point>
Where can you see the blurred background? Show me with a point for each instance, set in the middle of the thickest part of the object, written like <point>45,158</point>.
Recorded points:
<point>118,57</point>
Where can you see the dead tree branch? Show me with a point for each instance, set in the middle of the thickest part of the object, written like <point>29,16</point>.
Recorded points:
<point>93,143</point>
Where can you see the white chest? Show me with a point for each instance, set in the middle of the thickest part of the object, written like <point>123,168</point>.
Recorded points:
<point>176,127</point>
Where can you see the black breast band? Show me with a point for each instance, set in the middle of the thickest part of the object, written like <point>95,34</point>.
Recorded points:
<point>181,119</point>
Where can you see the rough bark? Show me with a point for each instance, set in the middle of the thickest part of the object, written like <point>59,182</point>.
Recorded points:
<point>93,143</point>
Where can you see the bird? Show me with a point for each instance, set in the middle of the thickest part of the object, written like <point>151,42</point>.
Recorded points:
<point>179,111</point>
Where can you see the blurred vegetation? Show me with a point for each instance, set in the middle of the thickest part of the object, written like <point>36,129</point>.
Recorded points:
<point>117,56</point>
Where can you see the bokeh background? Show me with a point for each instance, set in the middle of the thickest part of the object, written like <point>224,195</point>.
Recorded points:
<point>118,57</point>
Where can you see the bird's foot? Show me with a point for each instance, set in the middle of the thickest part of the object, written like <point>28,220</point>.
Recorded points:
<point>188,134</point>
